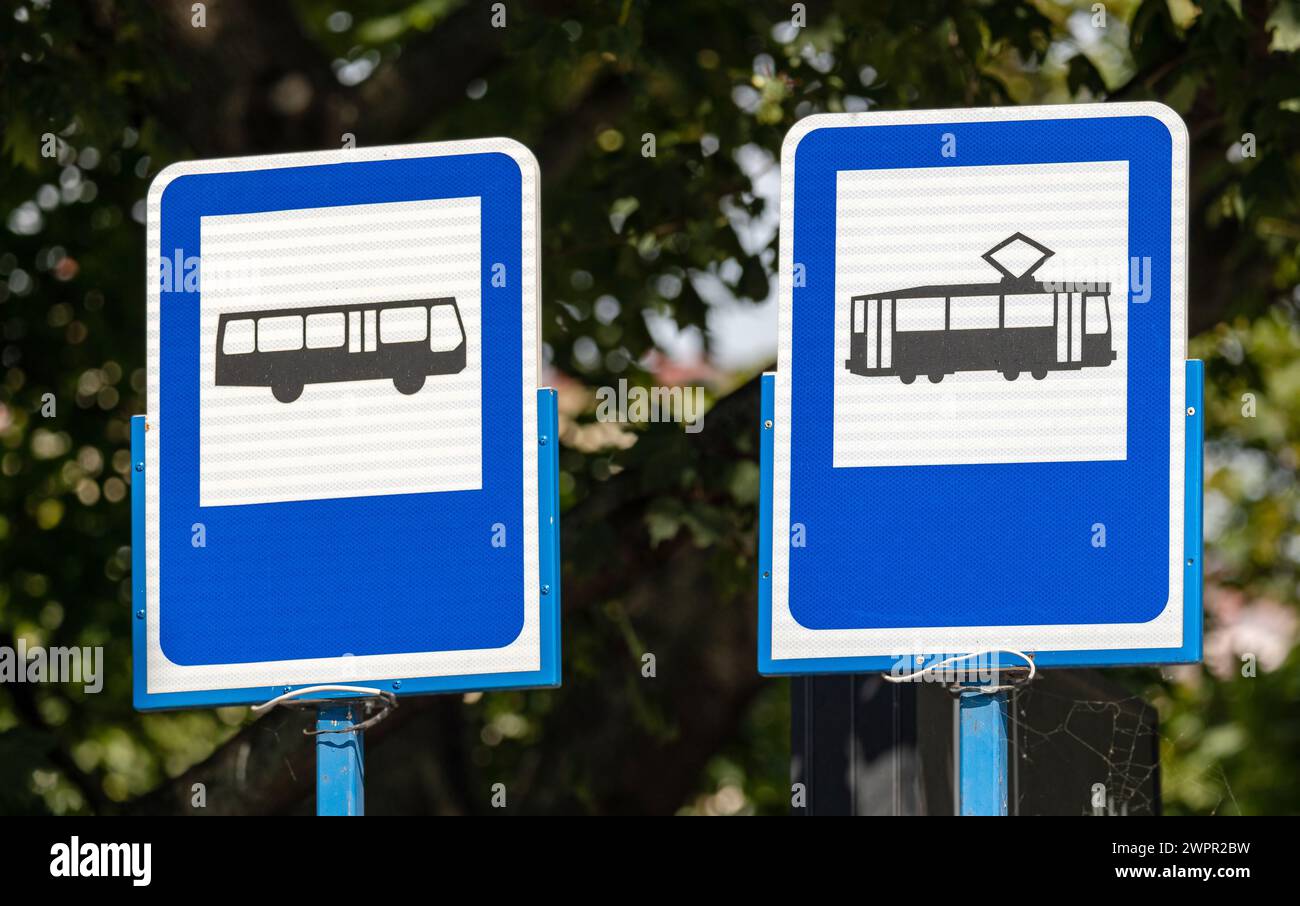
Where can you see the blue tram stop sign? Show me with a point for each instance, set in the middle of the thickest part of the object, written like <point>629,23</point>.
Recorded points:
<point>983,433</point>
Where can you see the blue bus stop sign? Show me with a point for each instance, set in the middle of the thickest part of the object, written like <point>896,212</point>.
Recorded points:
<point>983,433</point>
<point>347,472</point>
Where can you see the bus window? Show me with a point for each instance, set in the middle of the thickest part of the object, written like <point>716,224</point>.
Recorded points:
<point>444,329</point>
<point>973,313</point>
<point>1028,310</point>
<point>282,334</point>
<point>1096,318</point>
<point>354,331</point>
<point>920,314</point>
<point>238,338</point>
<point>402,325</point>
<point>859,321</point>
<point>325,331</point>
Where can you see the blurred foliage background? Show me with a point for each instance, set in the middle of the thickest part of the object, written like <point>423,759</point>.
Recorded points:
<point>656,269</point>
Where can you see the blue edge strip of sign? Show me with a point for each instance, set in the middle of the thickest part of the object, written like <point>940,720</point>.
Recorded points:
<point>1189,652</point>
<point>548,489</point>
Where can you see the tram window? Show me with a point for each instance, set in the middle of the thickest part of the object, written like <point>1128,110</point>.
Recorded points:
<point>920,314</point>
<point>1095,314</point>
<point>444,328</point>
<point>282,334</point>
<point>325,331</point>
<point>238,338</point>
<point>974,313</point>
<point>402,325</point>
<point>859,318</point>
<point>1029,310</point>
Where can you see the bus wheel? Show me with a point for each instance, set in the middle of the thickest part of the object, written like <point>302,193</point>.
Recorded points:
<point>1011,375</point>
<point>409,383</point>
<point>907,377</point>
<point>1039,374</point>
<point>286,393</point>
<point>935,378</point>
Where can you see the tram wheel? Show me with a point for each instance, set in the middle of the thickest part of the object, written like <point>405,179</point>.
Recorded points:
<point>1039,374</point>
<point>409,383</point>
<point>1011,375</point>
<point>286,393</point>
<point>907,378</point>
<point>935,378</point>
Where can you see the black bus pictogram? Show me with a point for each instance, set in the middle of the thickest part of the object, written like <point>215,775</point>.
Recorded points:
<point>286,349</point>
<point>1015,325</point>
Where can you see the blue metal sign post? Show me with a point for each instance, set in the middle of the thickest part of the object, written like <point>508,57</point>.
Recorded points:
<point>983,434</point>
<point>982,755</point>
<point>348,474</point>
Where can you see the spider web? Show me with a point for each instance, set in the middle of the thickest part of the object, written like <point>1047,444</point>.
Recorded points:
<point>1111,741</point>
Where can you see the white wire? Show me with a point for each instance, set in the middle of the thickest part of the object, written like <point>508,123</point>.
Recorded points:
<point>306,690</point>
<point>890,678</point>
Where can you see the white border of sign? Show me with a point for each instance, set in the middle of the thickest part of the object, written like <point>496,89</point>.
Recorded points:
<point>791,640</point>
<point>520,656</point>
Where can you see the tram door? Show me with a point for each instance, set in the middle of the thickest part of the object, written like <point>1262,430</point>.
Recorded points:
<point>876,326</point>
<point>1069,327</point>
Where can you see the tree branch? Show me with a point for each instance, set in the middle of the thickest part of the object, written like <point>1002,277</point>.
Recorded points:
<point>253,82</point>
<point>267,768</point>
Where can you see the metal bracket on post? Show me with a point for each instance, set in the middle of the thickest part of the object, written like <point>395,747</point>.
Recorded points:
<point>982,728</point>
<point>982,738</point>
<point>340,741</point>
